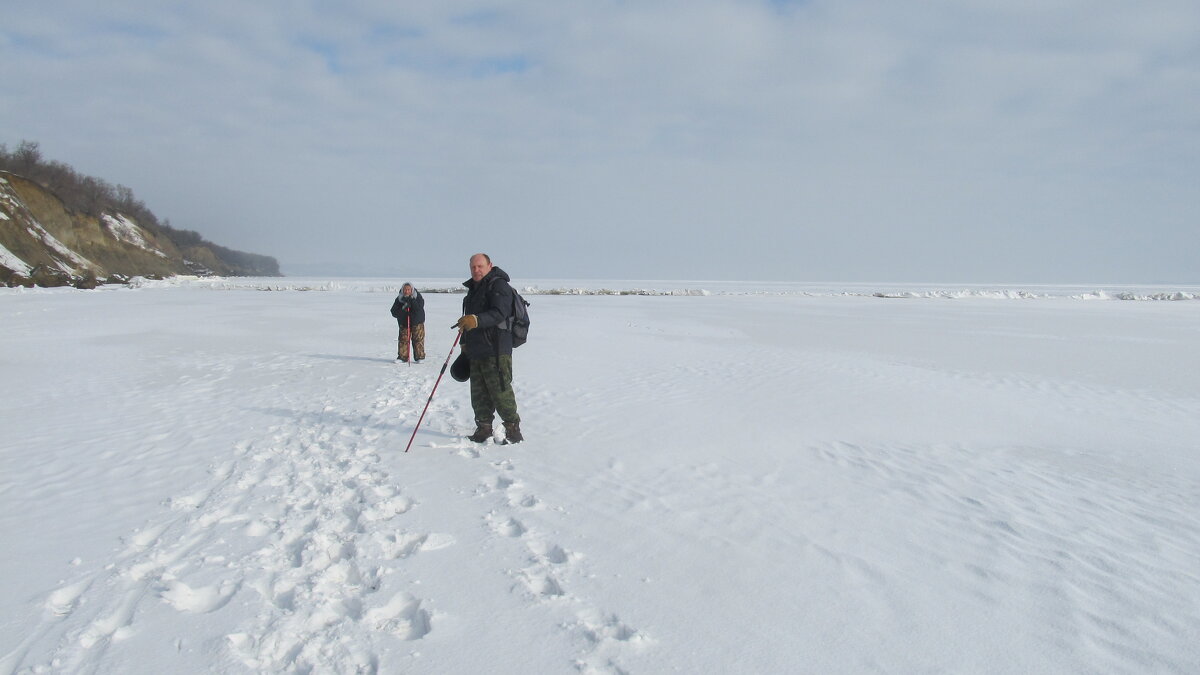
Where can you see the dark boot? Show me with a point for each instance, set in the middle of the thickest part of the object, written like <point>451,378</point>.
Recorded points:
<point>483,431</point>
<point>512,432</point>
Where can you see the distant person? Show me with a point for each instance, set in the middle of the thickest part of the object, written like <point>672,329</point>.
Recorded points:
<point>409,310</point>
<point>488,347</point>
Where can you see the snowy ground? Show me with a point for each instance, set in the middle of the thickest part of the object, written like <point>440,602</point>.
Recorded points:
<point>207,477</point>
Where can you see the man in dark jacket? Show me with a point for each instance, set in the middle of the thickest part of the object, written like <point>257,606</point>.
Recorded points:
<point>487,343</point>
<point>409,310</point>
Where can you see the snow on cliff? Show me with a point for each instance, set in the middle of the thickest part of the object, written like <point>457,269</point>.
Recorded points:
<point>125,230</point>
<point>12,262</point>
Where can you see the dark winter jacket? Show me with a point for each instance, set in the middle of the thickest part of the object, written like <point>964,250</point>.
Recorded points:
<point>491,301</point>
<point>410,308</point>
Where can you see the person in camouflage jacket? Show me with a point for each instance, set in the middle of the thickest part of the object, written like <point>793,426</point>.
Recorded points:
<point>409,310</point>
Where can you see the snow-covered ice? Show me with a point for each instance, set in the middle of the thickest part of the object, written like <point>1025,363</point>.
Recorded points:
<point>209,476</point>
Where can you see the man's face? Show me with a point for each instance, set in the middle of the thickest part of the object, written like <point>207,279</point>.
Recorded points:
<point>479,267</point>
<point>408,291</point>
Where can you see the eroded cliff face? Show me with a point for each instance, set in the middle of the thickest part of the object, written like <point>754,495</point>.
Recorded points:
<point>43,242</point>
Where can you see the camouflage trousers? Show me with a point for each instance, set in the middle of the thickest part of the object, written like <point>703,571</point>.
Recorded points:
<point>417,339</point>
<point>491,389</point>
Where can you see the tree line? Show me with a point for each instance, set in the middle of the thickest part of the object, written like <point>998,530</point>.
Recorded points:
<point>94,197</point>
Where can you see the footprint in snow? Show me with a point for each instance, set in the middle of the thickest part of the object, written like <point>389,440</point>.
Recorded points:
<point>541,584</point>
<point>550,553</point>
<point>63,600</point>
<point>402,616</point>
<point>607,636</point>
<point>395,546</point>
<point>507,527</point>
<point>200,600</point>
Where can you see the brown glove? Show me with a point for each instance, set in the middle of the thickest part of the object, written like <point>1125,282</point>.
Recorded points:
<point>467,322</point>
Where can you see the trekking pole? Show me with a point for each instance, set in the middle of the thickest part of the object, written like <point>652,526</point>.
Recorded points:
<point>408,338</point>
<point>435,386</point>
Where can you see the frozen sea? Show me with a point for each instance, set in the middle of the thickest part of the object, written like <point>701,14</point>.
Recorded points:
<point>209,476</point>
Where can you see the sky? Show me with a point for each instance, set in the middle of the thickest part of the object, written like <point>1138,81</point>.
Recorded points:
<point>979,141</point>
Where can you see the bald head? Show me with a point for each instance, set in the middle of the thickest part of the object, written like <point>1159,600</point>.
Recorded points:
<point>481,264</point>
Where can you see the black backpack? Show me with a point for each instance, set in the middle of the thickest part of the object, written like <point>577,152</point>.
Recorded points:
<point>518,320</point>
<point>517,324</point>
